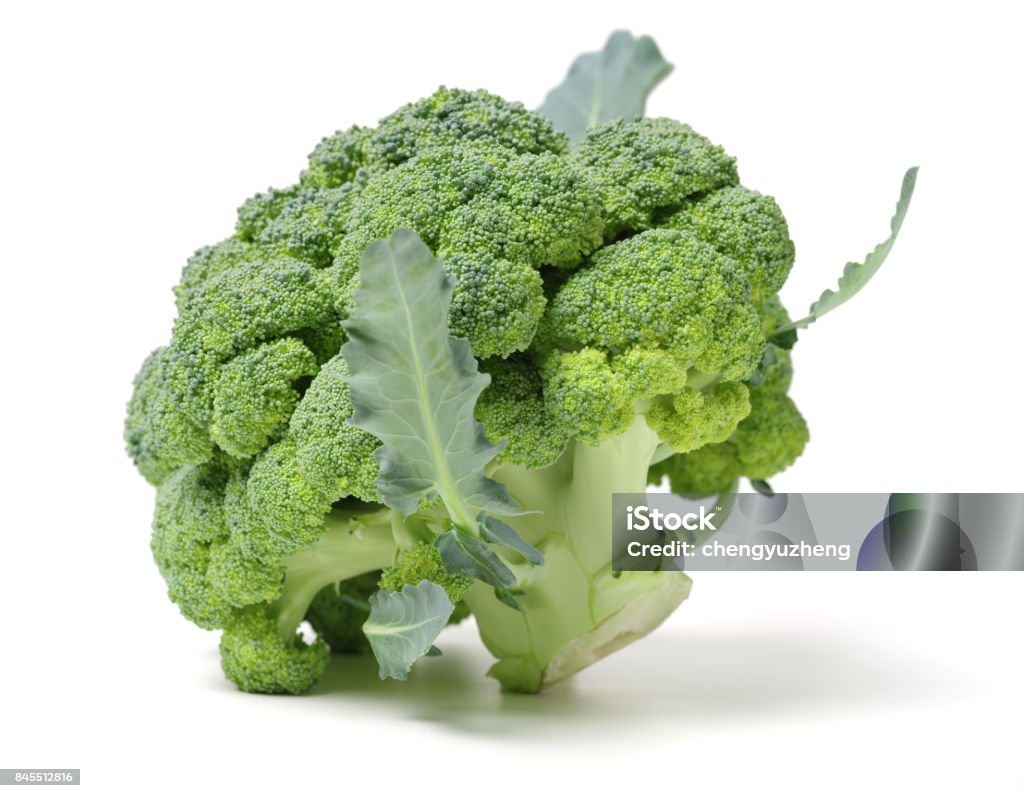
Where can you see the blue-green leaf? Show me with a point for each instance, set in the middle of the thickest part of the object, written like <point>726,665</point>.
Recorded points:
<point>495,531</point>
<point>610,84</point>
<point>414,387</point>
<point>855,275</point>
<point>403,625</point>
<point>469,556</point>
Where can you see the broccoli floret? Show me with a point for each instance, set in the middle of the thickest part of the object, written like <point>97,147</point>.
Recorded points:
<point>537,208</point>
<point>586,396</point>
<point>651,372</point>
<point>255,658</point>
<point>693,418</point>
<point>662,289</point>
<point>241,579</point>
<point>768,440</point>
<point>453,116</point>
<point>704,472</point>
<point>481,199</point>
<point>310,226</point>
<point>424,562</point>
<point>647,166</point>
<point>234,311</point>
<point>255,396</point>
<point>189,518</point>
<point>496,303</point>
<point>208,262</point>
<point>290,509</point>
<point>160,438</point>
<point>513,410</point>
<point>496,217</point>
<point>259,211</point>
<point>336,159</point>
<point>772,438</point>
<point>333,456</point>
<point>746,226</point>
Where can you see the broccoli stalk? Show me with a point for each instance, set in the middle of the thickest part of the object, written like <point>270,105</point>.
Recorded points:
<point>574,610</point>
<point>350,546</point>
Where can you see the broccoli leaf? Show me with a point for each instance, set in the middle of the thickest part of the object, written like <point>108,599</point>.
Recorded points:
<point>415,387</point>
<point>855,275</point>
<point>496,531</point>
<point>403,625</point>
<point>467,555</point>
<point>611,84</point>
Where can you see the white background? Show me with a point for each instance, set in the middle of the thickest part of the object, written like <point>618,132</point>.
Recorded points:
<point>129,136</point>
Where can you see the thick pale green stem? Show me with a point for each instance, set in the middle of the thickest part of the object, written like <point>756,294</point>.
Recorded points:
<point>618,465</point>
<point>575,611</point>
<point>351,545</point>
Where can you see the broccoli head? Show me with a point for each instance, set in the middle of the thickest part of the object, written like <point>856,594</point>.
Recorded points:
<point>612,311</point>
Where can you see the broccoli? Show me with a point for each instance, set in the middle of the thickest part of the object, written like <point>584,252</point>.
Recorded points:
<point>405,388</point>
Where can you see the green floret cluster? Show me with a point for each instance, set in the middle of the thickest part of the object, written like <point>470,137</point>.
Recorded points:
<point>768,439</point>
<point>618,294</point>
<point>423,561</point>
<point>650,166</point>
